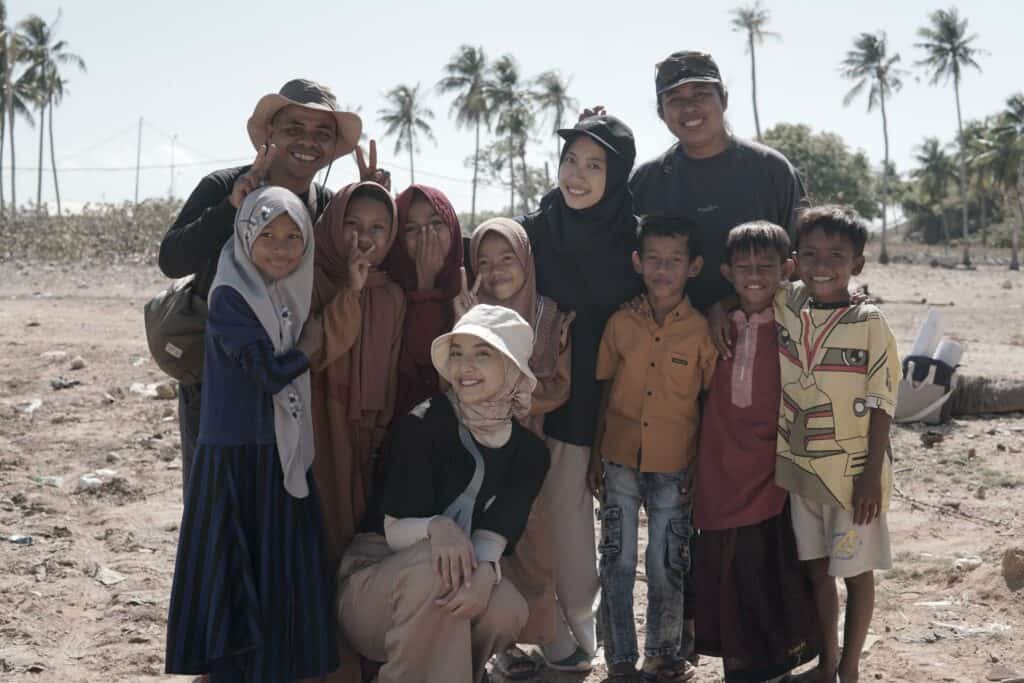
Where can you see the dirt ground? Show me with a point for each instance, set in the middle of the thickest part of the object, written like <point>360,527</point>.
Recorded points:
<point>86,598</point>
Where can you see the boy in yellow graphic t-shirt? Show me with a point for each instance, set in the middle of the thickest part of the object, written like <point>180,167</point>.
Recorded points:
<point>840,371</point>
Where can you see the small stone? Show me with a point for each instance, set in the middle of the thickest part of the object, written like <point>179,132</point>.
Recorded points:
<point>108,577</point>
<point>89,482</point>
<point>31,406</point>
<point>971,453</point>
<point>1001,448</point>
<point>966,564</point>
<point>54,356</point>
<point>113,458</point>
<point>77,363</point>
<point>62,382</point>
<point>166,390</point>
<point>980,493</point>
<point>930,438</point>
<point>1007,284</point>
<point>1013,568</point>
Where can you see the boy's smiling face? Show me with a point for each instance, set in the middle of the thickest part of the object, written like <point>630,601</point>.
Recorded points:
<point>664,263</point>
<point>756,275</point>
<point>826,262</point>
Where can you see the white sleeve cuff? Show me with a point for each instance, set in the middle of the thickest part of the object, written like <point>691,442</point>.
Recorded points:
<point>402,533</point>
<point>488,546</point>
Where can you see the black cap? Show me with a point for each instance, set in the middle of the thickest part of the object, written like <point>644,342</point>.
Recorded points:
<point>685,67</point>
<point>607,131</point>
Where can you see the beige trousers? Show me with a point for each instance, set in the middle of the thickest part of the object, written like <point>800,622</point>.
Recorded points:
<point>571,510</point>
<point>387,612</point>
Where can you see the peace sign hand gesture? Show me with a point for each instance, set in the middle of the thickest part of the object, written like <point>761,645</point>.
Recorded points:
<point>370,171</point>
<point>467,298</point>
<point>253,178</point>
<point>358,264</point>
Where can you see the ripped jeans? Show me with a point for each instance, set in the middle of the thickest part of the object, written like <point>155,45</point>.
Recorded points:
<point>667,560</point>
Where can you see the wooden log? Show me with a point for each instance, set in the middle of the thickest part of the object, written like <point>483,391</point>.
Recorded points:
<point>976,395</point>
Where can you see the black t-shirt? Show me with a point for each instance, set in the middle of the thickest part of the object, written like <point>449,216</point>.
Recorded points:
<point>193,243</point>
<point>427,467</point>
<point>746,182</point>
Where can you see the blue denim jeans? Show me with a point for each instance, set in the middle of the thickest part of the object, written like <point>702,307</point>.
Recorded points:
<point>667,560</point>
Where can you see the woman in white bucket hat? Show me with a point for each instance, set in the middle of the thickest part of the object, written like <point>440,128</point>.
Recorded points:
<point>422,592</point>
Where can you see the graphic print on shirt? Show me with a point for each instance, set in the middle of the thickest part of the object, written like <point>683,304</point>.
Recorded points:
<point>824,433</point>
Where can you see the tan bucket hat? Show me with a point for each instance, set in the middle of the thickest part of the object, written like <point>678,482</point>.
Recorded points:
<point>311,95</point>
<point>501,327</point>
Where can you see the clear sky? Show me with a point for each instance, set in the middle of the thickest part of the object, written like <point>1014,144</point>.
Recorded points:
<point>195,69</point>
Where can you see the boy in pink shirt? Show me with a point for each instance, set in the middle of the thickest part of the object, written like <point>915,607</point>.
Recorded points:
<point>753,601</point>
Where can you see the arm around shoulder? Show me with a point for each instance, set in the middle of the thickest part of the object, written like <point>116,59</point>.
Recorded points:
<point>205,223</point>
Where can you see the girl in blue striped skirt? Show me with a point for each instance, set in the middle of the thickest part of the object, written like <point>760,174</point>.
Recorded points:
<point>250,600</point>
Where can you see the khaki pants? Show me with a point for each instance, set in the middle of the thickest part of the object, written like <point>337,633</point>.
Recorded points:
<point>387,612</point>
<point>571,510</point>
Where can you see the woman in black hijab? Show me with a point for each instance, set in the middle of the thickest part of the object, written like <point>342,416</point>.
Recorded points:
<point>583,237</point>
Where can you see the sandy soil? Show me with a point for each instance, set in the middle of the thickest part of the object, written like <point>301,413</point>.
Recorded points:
<point>86,600</point>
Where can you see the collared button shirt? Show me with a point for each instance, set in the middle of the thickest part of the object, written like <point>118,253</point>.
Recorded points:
<point>657,373</point>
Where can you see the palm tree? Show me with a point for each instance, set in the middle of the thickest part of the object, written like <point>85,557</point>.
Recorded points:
<point>751,19</point>
<point>933,174</point>
<point>3,98</point>
<point>948,52</point>
<point>1005,158</point>
<point>466,75</point>
<point>552,98</point>
<point>870,66</point>
<point>976,134</point>
<point>507,101</point>
<point>45,56</point>
<point>16,94</point>
<point>407,119</point>
<point>516,122</point>
<point>20,96</point>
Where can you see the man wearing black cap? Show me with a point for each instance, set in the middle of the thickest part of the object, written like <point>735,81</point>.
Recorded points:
<point>296,132</point>
<point>709,175</point>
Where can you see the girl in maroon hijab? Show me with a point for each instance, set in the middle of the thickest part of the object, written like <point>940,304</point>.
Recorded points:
<point>425,262</point>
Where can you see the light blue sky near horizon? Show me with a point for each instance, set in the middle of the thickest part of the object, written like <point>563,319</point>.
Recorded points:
<point>196,69</point>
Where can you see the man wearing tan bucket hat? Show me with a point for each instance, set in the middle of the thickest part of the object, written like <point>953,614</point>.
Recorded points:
<point>297,132</point>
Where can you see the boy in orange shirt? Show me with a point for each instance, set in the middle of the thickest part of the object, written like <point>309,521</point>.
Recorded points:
<point>657,362</point>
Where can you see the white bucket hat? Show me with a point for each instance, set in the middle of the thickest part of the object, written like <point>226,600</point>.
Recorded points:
<point>501,327</point>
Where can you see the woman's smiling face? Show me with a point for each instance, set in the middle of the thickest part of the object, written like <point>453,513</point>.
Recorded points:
<point>583,173</point>
<point>475,368</point>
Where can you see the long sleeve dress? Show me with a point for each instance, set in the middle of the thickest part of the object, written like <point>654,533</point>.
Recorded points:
<point>250,599</point>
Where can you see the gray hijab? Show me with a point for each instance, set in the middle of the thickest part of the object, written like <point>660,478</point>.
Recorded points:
<point>282,307</point>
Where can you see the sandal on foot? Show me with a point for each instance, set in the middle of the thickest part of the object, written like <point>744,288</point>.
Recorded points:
<point>577,662</point>
<point>669,671</point>
<point>623,671</point>
<point>515,665</point>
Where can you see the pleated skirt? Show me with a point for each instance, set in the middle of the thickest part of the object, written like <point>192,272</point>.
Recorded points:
<point>250,600</point>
